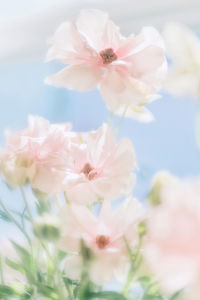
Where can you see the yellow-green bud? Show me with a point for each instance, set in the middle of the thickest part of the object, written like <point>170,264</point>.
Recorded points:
<point>160,180</point>
<point>47,227</point>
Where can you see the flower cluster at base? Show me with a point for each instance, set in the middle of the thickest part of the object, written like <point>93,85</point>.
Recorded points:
<point>71,174</point>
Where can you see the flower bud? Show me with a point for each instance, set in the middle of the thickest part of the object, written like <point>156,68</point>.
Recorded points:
<point>47,227</point>
<point>160,180</point>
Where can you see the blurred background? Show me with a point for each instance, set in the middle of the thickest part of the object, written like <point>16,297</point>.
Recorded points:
<point>167,143</point>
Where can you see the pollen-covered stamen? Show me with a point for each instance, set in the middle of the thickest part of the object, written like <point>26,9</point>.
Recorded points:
<point>102,241</point>
<point>108,56</point>
<point>89,171</point>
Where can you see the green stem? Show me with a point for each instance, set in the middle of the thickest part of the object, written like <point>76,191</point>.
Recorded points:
<point>110,119</point>
<point>26,203</point>
<point>66,199</point>
<point>121,119</point>
<point>134,266</point>
<point>15,222</point>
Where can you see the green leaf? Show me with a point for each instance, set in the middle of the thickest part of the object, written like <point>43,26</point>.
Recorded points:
<point>61,255</point>
<point>69,281</point>
<point>107,296</point>
<point>22,252</point>
<point>6,291</point>
<point>17,291</point>
<point>176,295</point>
<point>48,291</point>
<point>4,216</point>
<point>144,281</point>
<point>26,261</point>
<point>14,265</point>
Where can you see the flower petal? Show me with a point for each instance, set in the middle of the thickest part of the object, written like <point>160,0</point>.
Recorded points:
<point>118,90</point>
<point>139,113</point>
<point>77,77</point>
<point>99,31</point>
<point>81,193</point>
<point>67,45</point>
<point>91,23</point>
<point>147,60</point>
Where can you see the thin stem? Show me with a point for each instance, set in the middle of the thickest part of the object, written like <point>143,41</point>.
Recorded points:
<point>15,222</point>
<point>121,119</point>
<point>134,266</point>
<point>110,119</point>
<point>26,203</point>
<point>66,199</point>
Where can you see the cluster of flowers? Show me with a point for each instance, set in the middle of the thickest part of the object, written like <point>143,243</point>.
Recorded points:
<point>86,240</point>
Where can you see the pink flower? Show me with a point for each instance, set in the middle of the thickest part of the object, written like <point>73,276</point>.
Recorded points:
<point>31,155</point>
<point>172,246</point>
<point>128,71</point>
<point>38,127</point>
<point>88,167</point>
<point>49,157</point>
<point>105,235</point>
<point>99,168</point>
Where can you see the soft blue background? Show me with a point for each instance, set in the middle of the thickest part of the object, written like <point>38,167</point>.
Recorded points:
<point>167,143</point>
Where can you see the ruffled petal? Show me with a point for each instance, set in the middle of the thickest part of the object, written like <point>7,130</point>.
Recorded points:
<point>119,90</point>
<point>147,60</point>
<point>68,45</point>
<point>81,193</point>
<point>91,23</point>
<point>98,30</point>
<point>78,77</point>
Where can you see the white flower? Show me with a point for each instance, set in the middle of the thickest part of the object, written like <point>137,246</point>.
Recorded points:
<point>184,49</point>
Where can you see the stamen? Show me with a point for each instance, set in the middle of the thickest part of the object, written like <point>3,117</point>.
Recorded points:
<point>89,171</point>
<point>108,56</point>
<point>102,241</point>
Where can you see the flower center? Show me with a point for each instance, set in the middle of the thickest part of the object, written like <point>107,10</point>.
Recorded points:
<point>89,171</point>
<point>102,241</point>
<point>108,56</point>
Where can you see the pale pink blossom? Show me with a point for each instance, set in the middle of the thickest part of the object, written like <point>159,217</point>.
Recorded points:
<point>38,127</point>
<point>100,167</point>
<point>33,155</point>
<point>128,71</point>
<point>172,246</point>
<point>106,234</point>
